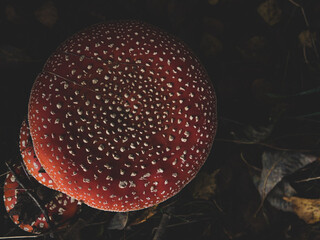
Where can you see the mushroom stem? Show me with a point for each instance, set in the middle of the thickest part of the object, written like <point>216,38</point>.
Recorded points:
<point>34,198</point>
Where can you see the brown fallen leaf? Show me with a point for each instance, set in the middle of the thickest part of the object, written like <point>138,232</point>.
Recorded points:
<point>204,185</point>
<point>146,214</point>
<point>270,12</point>
<point>213,2</point>
<point>307,38</point>
<point>306,209</point>
<point>47,14</point>
<point>211,45</point>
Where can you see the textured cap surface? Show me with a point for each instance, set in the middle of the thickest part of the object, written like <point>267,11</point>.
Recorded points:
<point>123,116</point>
<point>30,159</point>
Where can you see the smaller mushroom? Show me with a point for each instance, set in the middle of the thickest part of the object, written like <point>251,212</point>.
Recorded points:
<point>30,159</point>
<point>24,212</point>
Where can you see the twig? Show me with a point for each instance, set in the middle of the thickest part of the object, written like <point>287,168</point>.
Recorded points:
<point>4,174</point>
<point>265,145</point>
<point>302,11</point>
<point>188,222</point>
<point>308,26</point>
<point>32,236</point>
<point>230,120</point>
<point>304,51</point>
<point>308,179</point>
<point>217,206</point>
<point>304,119</point>
<point>22,237</point>
<point>25,170</point>
<point>248,164</point>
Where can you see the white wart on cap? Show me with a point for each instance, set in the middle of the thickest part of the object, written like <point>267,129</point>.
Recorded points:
<point>122,116</point>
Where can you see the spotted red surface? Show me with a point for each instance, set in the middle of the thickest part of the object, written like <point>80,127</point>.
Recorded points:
<point>30,159</point>
<point>59,209</point>
<point>122,116</point>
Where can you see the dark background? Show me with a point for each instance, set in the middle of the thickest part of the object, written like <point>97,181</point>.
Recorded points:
<point>262,57</point>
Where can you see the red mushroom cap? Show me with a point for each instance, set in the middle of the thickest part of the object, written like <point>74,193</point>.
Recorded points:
<point>30,159</point>
<point>59,206</point>
<point>122,116</point>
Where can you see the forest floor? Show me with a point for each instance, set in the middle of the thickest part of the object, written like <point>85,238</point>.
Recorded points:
<point>261,180</point>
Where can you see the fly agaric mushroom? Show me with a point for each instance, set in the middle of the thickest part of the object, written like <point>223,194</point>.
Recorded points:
<point>30,159</point>
<point>122,116</point>
<point>26,214</point>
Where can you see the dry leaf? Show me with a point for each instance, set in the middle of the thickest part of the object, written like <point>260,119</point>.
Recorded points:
<point>278,164</point>
<point>253,134</point>
<point>270,12</point>
<point>47,14</point>
<point>275,197</point>
<point>306,38</point>
<point>204,185</point>
<point>11,54</point>
<point>257,134</point>
<point>307,209</point>
<point>213,2</point>
<point>119,221</point>
<point>11,14</point>
<point>255,48</point>
<point>211,45</point>
<point>146,214</point>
